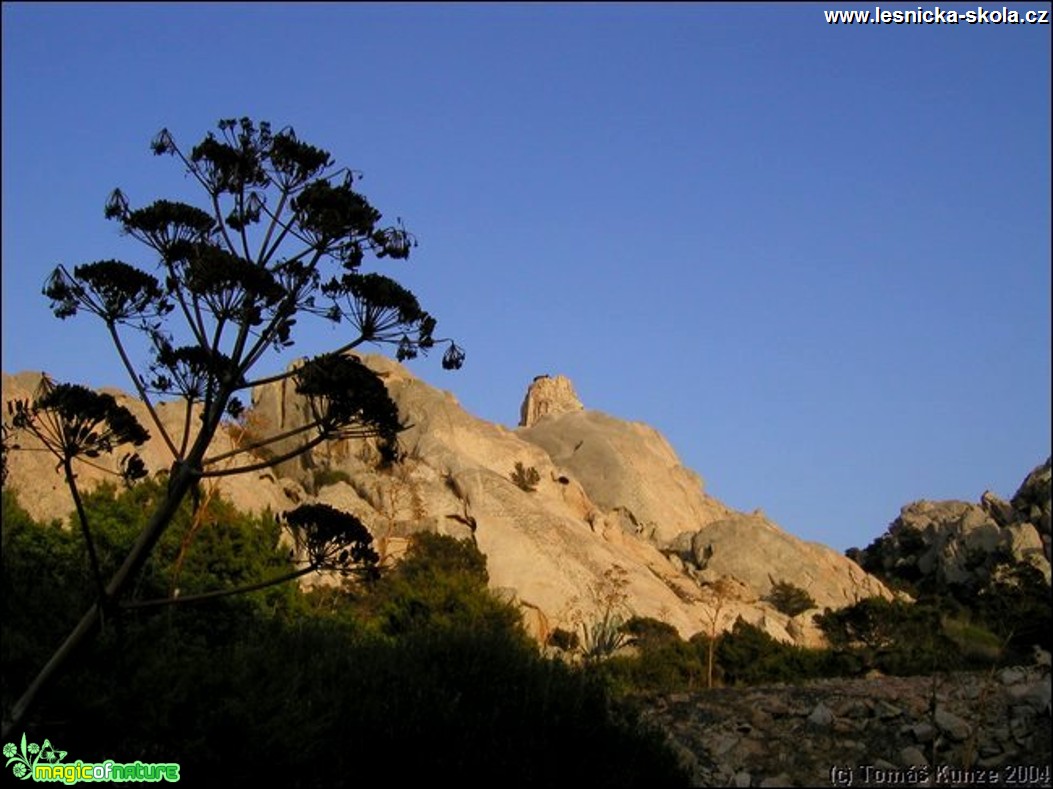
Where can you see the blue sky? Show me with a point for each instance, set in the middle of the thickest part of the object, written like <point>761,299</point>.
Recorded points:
<point>816,258</point>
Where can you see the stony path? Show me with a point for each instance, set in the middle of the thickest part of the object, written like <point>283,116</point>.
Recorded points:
<point>953,730</point>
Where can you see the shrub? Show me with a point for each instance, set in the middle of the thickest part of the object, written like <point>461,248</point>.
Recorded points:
<point>979,647</point>
<point>35,613</point>
<point>1012,600</point>
<point>892,636</point>
<point>565,640</point>
<point>525,478</point>
<point>215,548</point>
<point>789,599</point>
<point>747,655</point>
<point>439,586</point>
<point>661,667</point>
<point>649,634</point>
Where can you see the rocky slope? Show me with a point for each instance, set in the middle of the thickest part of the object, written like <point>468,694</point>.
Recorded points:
<point>956,542</point>
<point>949,730</point>
<point>612,518</point>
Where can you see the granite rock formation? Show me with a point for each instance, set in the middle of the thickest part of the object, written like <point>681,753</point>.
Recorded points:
<point>548,395</point>
<point>1031,503</point>
<point>953,542</point>
<point>611,496</point>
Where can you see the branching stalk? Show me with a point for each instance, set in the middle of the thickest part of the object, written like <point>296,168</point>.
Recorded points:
<point>267,463</point>
<point>197,598</point>
<point>142,391</point>
<point>262,443</point>
<point>82,516</point>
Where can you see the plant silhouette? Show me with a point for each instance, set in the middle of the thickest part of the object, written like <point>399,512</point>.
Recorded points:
<point>283,235</point>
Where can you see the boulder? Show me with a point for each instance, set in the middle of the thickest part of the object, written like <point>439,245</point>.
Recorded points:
<point>955,541</point>
<point>754,550</point>
<point>1000,510</point>
<point>1032,502</point>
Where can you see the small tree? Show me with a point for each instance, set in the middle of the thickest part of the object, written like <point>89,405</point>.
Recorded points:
<point>719,594</point>
<point>283,234</point>
<point>790,599</point>
<point>891,635</point>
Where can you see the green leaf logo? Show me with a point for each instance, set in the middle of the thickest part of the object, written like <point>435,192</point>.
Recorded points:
<point>24,757</point>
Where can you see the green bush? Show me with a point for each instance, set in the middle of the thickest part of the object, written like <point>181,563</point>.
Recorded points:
<point>36,615</point>
<point>978,646</point>
<point>226,550</point>
<point>789,599</point>
<point>668,668</point>
<point>748,656</point>
<point>664,662</point>
<point>745,655</point>
<point>525,478</point>
<point>439,586</point>
<point>649,634</point>
<point>218,548</point>
<point>893,557</point>
<point>1004,596</point>
<point>892,636</point>
<point>565,640</point>
<point>1014,603</point>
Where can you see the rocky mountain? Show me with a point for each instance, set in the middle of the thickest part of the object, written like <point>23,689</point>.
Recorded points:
<point>958,543</point>
<point>576,510</point>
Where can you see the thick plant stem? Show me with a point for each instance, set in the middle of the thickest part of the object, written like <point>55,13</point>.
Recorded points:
<point>82,516</point>
<point>197,598</point>
<point>179,484</point>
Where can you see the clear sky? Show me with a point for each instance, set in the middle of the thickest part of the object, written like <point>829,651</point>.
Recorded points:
<point>816,258</point>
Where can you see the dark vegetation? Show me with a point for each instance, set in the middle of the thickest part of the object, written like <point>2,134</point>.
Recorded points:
<point>281,235</point>
<point>993,622</point>
<point>889,637</point>
<point>419,672</point>
<point>789,599</point>
<point>525,478</point>
<point>745,655</point>
<point>1004,602</point>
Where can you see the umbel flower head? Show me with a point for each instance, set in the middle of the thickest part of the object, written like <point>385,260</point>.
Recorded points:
<point>332,540</point>
<point>73,420</point>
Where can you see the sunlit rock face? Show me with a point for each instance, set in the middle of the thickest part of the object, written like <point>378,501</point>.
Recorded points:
<point>611,516</point>
<point>548,396</point>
